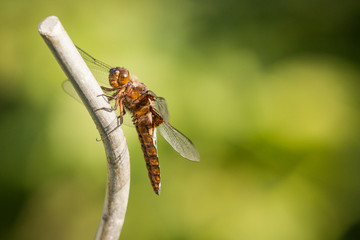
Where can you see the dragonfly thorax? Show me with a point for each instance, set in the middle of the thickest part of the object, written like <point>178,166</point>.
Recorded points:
<point>118,77</point>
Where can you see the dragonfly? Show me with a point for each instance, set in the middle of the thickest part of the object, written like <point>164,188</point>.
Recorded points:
<point>149,113</point>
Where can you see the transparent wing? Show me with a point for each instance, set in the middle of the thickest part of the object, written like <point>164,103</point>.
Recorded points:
<point>93,61</point>
<point>70,90</point>
<point>174,137</point>
<point>99,69</point>
<point>160,106</point>
<point>179,142</point>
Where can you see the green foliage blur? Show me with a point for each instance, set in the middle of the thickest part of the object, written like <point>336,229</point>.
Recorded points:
<point>267,90</point>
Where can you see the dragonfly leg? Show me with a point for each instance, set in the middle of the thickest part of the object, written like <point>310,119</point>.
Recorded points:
<point>109,97</point>
<point>116,96</point>
<point>108,89</point>
<point>119,104</point>
<point>107,109</point>
<point>107,134</point>
<point>122,110</point>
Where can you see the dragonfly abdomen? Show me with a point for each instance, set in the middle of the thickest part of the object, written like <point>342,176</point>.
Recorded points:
<point>147,137</point>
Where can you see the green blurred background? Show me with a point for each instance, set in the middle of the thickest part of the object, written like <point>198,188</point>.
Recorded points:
<point>267,90</point>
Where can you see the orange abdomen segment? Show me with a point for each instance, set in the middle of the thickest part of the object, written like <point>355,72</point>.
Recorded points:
<point>147,137</point>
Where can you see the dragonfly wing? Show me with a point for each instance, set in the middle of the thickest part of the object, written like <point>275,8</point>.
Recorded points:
<point>99,69</point>
<point>70,90</point>
<point>174,137</point>
<point>160,107</point>
<point>93,61</point>
<point>179,142</point>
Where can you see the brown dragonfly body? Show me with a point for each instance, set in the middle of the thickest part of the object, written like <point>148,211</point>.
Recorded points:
<point>135,96</point>
<point>149,114</point>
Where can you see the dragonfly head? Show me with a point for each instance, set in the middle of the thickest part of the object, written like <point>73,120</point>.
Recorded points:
<point>118,77</point>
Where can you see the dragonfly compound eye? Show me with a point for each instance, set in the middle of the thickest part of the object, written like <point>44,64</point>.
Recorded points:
<point>123,76</point>
<point>124,73</point>
<point>114,71</point>
<point>113,77</point>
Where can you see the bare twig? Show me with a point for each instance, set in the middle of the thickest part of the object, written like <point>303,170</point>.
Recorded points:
<point>118,163</point>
